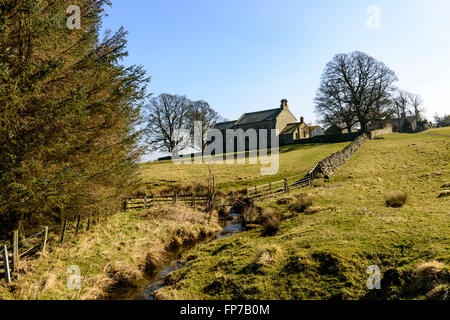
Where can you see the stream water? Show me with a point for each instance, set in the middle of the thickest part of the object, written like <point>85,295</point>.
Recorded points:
<point>230,226</point>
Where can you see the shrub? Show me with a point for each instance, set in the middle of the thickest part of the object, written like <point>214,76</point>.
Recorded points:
<point>249,215</point>
<point>396,199</point>
<point>270,221</point>
<point>301,204</point>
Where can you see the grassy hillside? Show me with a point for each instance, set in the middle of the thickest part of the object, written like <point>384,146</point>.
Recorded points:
<point>294,160</point>
<point>442,131</point>
<point>112,256</point>
<point>325,254</point>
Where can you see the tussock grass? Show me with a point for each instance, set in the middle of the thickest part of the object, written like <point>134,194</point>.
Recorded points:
<point>302,203</point>
<point>286,200</point>
<point>445,193</point>
<point>270,220</point>
<point>429,275</point>
<point>396,199</point>
<point>325,255</point>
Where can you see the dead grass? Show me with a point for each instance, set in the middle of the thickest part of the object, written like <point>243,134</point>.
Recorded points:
<point>445,193</point>
<point>396,199</point>
<point>286,200</point>
<point>113,255</point>
<point>271,222</point>
<point>429,275</point>
<point>302,203</point>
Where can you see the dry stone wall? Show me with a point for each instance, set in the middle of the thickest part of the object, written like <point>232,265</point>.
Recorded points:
<point>329,165</point>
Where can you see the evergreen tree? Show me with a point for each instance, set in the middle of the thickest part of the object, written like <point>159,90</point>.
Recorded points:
<point>68,145</point>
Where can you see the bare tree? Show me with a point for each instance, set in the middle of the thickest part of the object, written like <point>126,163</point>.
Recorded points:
<point>166,115</point>
<point>401,103</point>
<point>359,85</point>
<point>416,103</point>
<point>332,105</point>
<point>408,103</point>
<point>202,112</point>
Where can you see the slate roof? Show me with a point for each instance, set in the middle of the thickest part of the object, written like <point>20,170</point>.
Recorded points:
<point>225,125</point>
<point>290,128</point>
<point>259,116</point>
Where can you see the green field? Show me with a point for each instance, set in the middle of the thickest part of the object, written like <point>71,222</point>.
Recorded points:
<point>325,255</point>
<point>294,160</point>
<point>441,131</point>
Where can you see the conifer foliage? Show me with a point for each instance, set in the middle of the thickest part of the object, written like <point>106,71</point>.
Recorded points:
<point>68,113</point>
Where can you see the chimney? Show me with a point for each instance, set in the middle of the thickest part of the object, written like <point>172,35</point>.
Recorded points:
<point>284,104</point>
<point>302,120</point>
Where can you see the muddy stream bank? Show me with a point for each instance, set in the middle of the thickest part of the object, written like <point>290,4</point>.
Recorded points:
<point>144,291</point>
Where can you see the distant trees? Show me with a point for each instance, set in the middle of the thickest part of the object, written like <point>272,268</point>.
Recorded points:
<point>443,121</point>
<point>68,143</point>
<point>167,115</point>
<point>407,103</point>
<point>355,88</point>
<point>201,114</point>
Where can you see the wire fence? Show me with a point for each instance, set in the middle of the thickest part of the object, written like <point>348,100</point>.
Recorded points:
<point>40,242</point>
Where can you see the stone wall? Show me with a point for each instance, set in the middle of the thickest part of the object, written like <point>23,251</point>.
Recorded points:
<point>329,165</point>
<point>323,139</point>
<point>379,132</point>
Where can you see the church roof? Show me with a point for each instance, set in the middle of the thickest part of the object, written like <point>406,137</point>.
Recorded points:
<point>259,116</point>
<point>312,128</point>
<point>290,128</point>
<point>224,125</point>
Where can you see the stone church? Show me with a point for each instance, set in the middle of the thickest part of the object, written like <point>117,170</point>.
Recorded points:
<point>280,118</point>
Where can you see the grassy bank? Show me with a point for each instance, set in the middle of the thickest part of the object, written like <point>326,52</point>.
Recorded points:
<point>112,256</point>
<point>324,253</point>
<point>294,160</point>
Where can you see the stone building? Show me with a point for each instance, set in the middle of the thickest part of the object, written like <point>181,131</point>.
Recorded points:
<point>294,131</point>
<point>282,119</point>
<point>339,128</point>
<point>266,119</point>
<point>398,123</point>
<point>315,131</point>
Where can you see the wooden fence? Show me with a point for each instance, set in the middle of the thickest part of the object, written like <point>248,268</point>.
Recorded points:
<point>10,255</point>
<point>280,186</point>
<point>139,202</point>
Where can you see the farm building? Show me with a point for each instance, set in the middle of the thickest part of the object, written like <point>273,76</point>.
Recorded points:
<point>315,131</point>
<point>339,128</point>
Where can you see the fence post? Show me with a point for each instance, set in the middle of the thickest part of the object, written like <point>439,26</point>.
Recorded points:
<point>63,231</point>
<point>285,186</point>
<point>88,223</point>
<point>15,250</point>
<point>145,201</point>
<point>175,197</point>
<point>125,205</point>
<point>78,225</point>
<point>193,199</point>
<point>6,264</point>
<point>154,200</point>
<point>256,191</point>
<point>44,242</point>
<point>270,187</point>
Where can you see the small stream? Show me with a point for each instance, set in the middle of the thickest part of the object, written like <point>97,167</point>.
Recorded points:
<point>230,226</point>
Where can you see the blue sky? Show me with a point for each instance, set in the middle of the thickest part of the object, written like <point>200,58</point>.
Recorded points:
<point>246,55</point>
